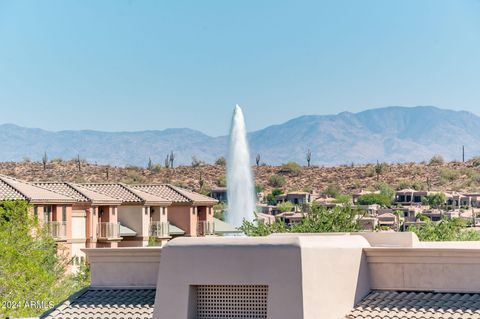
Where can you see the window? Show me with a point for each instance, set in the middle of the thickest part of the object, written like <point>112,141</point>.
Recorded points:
<point>231,301</point>
<point>64,213</point>
<point>35,212</point>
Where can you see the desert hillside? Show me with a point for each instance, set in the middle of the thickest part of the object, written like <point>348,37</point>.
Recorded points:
<point>449,176</point>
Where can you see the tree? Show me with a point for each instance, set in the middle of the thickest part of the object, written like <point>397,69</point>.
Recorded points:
<point>271,197</point>
<point>30,268</point>
<point>318,220</point>
<point>434,200</point>
<point>309,157</point>
<point>343,199</point>
<point>276,180</point>
<point>221,161</point>
<point>44,160</point>
<point>386,190</point>
<point>285,206</point>
<point>257,160</point>
<point>371,199</point>
<point>197,162</point>
<point>332,191</point>
<point>445,230</point>
<point>172,158</point>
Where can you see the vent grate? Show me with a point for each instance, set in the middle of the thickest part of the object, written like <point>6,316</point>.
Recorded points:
<point>231,301</point>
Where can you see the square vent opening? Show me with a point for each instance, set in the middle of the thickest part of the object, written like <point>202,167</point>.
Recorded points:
<point>231,301</point>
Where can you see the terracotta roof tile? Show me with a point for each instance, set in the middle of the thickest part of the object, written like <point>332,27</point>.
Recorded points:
<point>403,305</point>
<point>106,303</point>
<point>34,193</point>
<point>115,190</point>
<point>79,193</point>
<point>174,194</point>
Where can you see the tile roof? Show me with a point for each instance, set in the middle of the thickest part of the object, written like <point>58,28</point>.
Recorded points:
<point>403,305</point>
<point>116,190</point>
<point>106,303</point>
<point>64,189</point>
<point>174,194</point>
<point>30,192</point>
<point>7,192</point>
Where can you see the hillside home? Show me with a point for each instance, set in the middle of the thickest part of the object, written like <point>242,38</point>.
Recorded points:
<point>94,217</point>
<point>388,220</point>
<point>52,209</point>
<point>297,198</point>
<point>189,211</point>
<point>457,199</point>
<point>143,213</point>
<point>411,196</point>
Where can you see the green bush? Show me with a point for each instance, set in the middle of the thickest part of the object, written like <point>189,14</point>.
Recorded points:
<point>276,180</point>
<point>332,191</point>
<point>291,168</point>
<point>285,207</point>
<point>449,174</point>
<point>445,230</point>
<point>271,197</point>
<point>434,200</point>
<point>370,199</point>
<point>221,161</point>
<point>318,220</point>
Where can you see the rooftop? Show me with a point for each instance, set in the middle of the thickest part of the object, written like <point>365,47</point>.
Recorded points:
<point>106,303</point>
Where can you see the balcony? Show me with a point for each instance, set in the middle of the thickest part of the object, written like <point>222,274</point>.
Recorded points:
<point>205,228</point>
<point>160,229</point>
<point>58,230</point>
<point>108,231</point>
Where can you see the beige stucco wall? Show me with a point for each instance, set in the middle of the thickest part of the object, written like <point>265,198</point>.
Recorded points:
<point>124,267</point>
<point>183,217</point>
<point>308,277</point>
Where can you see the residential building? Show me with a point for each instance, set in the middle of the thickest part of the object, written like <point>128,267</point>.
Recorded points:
<point>143,213</point>
<point>189,211</point>
<point>219,193</point>
<point>297,198</point>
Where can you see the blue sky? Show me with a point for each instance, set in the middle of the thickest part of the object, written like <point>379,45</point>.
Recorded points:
<point>133,65</point>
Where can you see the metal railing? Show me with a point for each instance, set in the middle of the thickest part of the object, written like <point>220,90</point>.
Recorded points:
<point>205,228</point>
<point>159,229</point>
<point>108,230</point>
<point>57,229</point>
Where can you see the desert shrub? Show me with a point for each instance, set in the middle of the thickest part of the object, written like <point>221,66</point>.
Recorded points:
<point>197,162</point>
<point>291,168</point>
<point>476,161</point>
<point>276,180</point>
<point>437,160</point>
<point>370,199</point>
<point>449,174</point>
<point>259,188</point>
<point>332,191</point>
<point>404,185</point>
<point>221,161</point>
<point>343,199</point>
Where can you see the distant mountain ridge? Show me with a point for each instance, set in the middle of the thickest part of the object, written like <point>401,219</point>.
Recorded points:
<point>392,134</point>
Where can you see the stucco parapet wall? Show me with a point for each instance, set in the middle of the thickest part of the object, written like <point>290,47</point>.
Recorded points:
<point>446,269</point>
<point>123,267</point>
<point>375,239</point>
<point>307,276</point>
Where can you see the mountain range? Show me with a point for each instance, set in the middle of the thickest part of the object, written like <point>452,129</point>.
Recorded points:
<point>390,134</point>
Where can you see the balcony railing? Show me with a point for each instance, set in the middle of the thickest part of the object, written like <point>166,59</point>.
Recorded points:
<point>108,230</point>
<point>205,228</point>
<point>159,229</point>
<point>57,229</point>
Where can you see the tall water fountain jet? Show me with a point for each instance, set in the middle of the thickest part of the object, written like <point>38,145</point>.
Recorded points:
<point>240,189</point>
